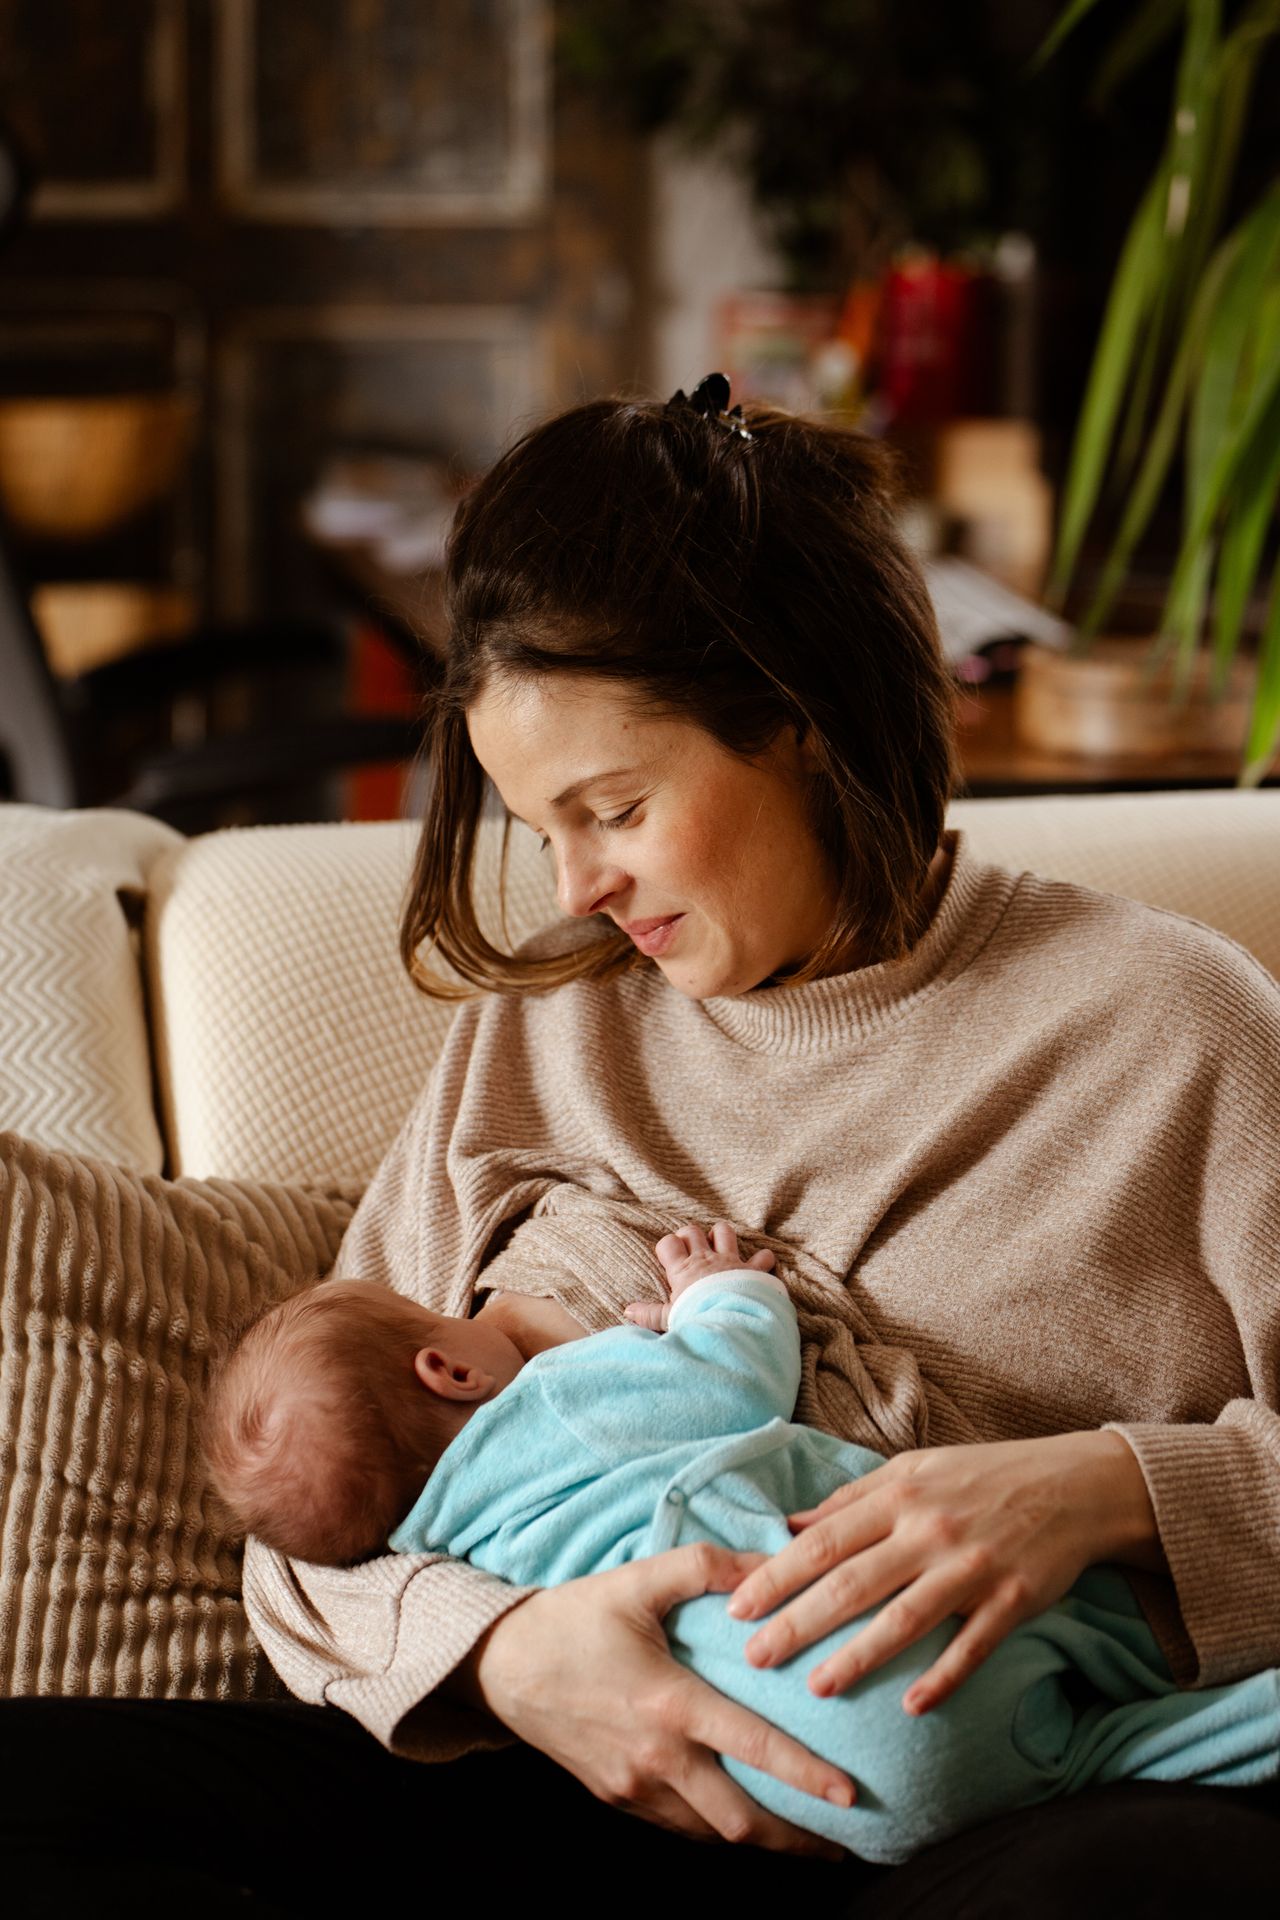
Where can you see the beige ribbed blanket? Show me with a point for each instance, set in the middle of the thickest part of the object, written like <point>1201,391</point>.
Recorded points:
<point>119,1572</point>
<point>1022,1182</point>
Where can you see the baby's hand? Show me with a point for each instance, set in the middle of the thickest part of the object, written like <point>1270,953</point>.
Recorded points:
<point>687,1256</point>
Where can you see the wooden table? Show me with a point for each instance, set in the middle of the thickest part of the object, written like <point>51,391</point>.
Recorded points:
<point>994,761</point>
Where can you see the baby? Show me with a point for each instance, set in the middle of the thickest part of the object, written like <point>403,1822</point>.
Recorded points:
<point>350,1417</point>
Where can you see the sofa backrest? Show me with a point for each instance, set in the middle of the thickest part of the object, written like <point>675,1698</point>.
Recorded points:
<point>287,1043</point>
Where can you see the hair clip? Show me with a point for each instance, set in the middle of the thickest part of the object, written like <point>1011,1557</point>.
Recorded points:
<point>710,398</point>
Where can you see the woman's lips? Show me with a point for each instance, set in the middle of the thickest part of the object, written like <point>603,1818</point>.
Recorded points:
<point>653,936</point>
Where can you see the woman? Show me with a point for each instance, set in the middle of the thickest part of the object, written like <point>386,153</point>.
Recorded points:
<point>1009,1140</point>
<point>699,663</point>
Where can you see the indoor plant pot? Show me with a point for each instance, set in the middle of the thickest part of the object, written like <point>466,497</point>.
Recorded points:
<point>1111,703</point>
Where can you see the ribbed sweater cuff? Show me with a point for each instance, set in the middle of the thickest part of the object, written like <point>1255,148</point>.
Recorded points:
<point>445,1610</point>
<point>378,1639</point>
<point>1216,1508</point>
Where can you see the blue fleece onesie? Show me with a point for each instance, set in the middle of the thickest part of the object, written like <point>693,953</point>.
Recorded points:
<point>629,1442</point>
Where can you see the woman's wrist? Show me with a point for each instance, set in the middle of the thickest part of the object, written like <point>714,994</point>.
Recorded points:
<point>476,1680</point>
<point>472,1681</point>
<point>1121,1508</point>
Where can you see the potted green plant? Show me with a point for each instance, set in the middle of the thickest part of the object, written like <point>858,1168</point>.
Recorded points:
<point>1188,358</point>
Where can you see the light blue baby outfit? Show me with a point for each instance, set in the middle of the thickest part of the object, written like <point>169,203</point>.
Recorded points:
<point>629,1442</point>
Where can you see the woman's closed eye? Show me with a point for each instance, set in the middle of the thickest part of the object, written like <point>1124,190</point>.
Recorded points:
<point>624,819</point>
<point>620,819</point>
<point>615,820</point>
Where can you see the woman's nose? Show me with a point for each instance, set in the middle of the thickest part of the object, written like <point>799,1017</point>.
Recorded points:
<point>585,885</point>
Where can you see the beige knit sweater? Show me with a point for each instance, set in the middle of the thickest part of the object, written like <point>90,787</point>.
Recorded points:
<point>1022,1182</point>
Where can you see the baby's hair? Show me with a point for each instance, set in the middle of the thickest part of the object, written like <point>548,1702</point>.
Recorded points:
<point>744,585</point>
<point>316,1433</point>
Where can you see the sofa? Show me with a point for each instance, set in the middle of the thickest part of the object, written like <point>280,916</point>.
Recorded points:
<point>206,1045</point>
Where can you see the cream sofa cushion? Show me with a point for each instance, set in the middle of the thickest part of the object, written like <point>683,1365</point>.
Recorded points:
<point>119,1570</point>
<point>75,1060</point>
<point>1213,856</point>
<point>290,1043</point>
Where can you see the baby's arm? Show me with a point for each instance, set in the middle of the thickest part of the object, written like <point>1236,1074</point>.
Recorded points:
<point>732,1320</point>
<point>730,1363</point>
<point>686,1257</point>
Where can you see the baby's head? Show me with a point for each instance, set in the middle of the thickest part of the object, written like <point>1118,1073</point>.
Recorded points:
<point>333,1409</point>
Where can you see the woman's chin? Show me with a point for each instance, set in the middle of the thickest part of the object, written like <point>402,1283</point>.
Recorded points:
<point>700,981</point>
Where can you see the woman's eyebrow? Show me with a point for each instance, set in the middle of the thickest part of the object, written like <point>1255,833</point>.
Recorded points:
<point>592,780</point>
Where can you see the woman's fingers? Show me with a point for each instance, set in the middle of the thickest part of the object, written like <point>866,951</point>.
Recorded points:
<point>978,1637</point>
<point>915,1611</point>
<point>813,1552</point>
<point>725,1727</point>
<point>842,1595</point>
<point>842,1497</point>
<point>683,1573</point>
<point>731,1814</point>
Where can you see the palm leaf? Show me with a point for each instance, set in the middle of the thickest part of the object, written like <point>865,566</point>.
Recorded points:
<point>1264,720</point>
<point>1066,23</point>
<point>1163,439</point>
<point>1257,497</point>
<point>1235,446</point>
<point>1130,301</point>
<point>1192,176</point>
<point>1219,403</point>
<point>1150,25</point>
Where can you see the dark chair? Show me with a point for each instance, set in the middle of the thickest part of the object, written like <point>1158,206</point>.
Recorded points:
<point>101,739</point>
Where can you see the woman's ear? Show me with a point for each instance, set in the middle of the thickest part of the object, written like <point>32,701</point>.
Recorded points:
<point>451,1379</point>
<point>807,748</point>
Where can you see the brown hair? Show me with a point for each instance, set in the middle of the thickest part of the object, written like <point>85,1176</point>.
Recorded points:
<point>745,585</point>
<point>314,1430</point>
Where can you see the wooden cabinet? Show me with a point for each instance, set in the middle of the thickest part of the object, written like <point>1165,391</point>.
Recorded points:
<point>335,223</point>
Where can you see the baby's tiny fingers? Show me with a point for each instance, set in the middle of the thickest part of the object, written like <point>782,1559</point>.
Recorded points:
<point>670,1249</point>
<point>647,1313</point>
<point>724,1240</point>
<point>763,1260</point>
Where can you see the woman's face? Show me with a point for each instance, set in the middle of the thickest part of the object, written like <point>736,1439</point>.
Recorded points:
<point>706,860</point>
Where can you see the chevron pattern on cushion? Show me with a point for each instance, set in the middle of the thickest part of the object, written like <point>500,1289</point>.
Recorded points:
<point>119,1574</point>
<point>75,1058</point>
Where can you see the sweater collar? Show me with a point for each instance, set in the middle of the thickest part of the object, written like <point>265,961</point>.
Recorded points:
<point>825,1013</point>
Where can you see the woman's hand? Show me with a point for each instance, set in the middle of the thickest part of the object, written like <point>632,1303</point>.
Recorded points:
<point>995,1533</point>
<point>583,1672</point>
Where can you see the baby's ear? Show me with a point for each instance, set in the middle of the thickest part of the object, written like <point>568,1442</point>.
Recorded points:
<point>450,1379</point>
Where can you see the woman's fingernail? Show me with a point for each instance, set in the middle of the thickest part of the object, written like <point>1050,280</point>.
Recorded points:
<point>915,1702</point>
<point>740,1608</point>
<point>760,1656</point>
<point>841,1796</point>
<point>821,1684</point>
